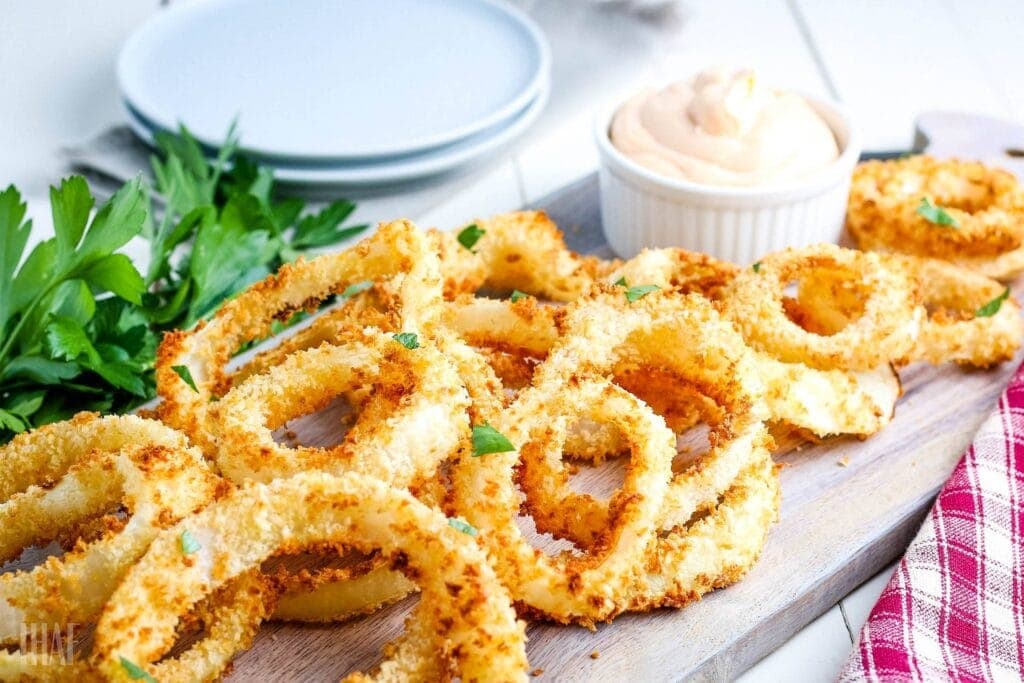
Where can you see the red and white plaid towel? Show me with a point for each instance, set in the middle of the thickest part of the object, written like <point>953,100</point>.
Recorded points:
<point>954,608</point>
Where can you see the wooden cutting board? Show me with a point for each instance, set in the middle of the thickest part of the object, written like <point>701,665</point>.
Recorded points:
<point>849,507</point>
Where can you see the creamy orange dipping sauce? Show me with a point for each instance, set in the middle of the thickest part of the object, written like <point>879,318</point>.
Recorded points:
<point>724,128</point>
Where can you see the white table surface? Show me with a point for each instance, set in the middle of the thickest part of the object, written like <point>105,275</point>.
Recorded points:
<point>887,61</point>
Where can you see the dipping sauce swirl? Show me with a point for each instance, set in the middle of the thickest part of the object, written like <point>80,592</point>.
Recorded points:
<point>724,128</point>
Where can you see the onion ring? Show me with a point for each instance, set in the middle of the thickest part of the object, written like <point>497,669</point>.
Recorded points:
<point>88,466</point>
<point>398,251</point>
<point>568,588</point>
<point>417,390</point>
<point>884,332</point>
<point>602,332</point>
<point>954,329</point>
<point>473,628</point>
<point>985,205</point>
<point>677,270</point>
<point>520,250</point>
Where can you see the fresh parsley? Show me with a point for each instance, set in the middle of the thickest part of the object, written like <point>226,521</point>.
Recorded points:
<point>935,214</point>
<point>463,526</point>
<point>992,307</point>
<point>487,439</point>
<point>407,339</point>
<point>470,235</point>
<point>517,295</point>
<point>186,375</point>
<point>79,324</point>
<point>136,672</point>
<point>634,294</point>
<point>621,282</point>
<point>757,267</point>
<point>189,543</point>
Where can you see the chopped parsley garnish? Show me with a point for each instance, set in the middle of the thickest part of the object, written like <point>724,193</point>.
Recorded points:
<point>356,288</point>
<point>639,292</point>
<point>487,439</point>
<point>136,672</point>
<point>470,235</point>
<point>992,307</point>
<point>186,376</point>
<point>621,282</point>
<point>407,339</point>
<point>464,527</point>
<point>935,214</point>
<point>757,267</point>
<point>517,295</point>
<point>189,544</point>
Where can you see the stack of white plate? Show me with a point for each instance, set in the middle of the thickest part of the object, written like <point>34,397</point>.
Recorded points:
<point>340,91</point>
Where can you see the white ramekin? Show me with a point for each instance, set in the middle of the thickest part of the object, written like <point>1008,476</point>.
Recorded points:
<point>640,208</point>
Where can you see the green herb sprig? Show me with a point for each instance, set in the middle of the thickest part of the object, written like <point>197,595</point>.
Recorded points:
<point>79,324</point>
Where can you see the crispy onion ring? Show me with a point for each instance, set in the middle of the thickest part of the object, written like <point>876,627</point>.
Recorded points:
<point>568,588</point>
<point>717,549</point>
<point>885,330</point>
<point>473,629</point>
<point>737,440</point>
<point>520,250</point>
<point>397,252</point>
<point>954,330</point>
<point>90,466</point>
<point>413,421</point>
<point>986,203</point>
<point>677,270</point>
<point>732,488</point>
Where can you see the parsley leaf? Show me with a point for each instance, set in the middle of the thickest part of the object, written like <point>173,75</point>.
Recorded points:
<point>470,235</point>
<point>487,439</point>
<point>407,339</point>
<point>462,525</point>
<point>621,282</point>
<point>321,229</point>
<point>136,672</point>
<point>189,543</point>
<point>185,374</point>
<point>992,307</point>
<point>517,295</point>
<point>757,267</point>
<point>935,214</point>
<point>634,294</point>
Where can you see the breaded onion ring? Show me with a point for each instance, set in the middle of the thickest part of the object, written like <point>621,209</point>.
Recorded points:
<point>568,588</point>
<point>717,549</point>
<point>959,326</point>
<point>985,206</point>
<point>520,250</point>
<point>971,321</point>
<point>471,630</point>
<point>414,419</point>
<point>885,331</point>
<point>737,441</point>
<point>88,467</point>
<point>398,252</point>
<point>677,270</point>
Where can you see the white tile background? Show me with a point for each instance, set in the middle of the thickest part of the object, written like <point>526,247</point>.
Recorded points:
<point>888,61</point>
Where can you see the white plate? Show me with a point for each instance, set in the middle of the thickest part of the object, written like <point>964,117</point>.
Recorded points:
<point>396,169</point>
<point>328,80</point>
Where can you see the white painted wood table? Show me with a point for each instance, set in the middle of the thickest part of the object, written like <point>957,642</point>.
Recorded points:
<point>888,61</point>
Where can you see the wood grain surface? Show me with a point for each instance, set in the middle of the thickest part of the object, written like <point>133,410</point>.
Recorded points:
<point>849,507</point>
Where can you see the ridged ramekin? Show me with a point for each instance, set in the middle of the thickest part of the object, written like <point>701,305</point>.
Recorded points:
<point>640,208</point>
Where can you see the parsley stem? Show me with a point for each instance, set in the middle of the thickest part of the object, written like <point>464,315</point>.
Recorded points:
<point>5,350</point>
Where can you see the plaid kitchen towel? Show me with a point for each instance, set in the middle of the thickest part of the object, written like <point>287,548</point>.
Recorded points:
<point>954,608</point>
